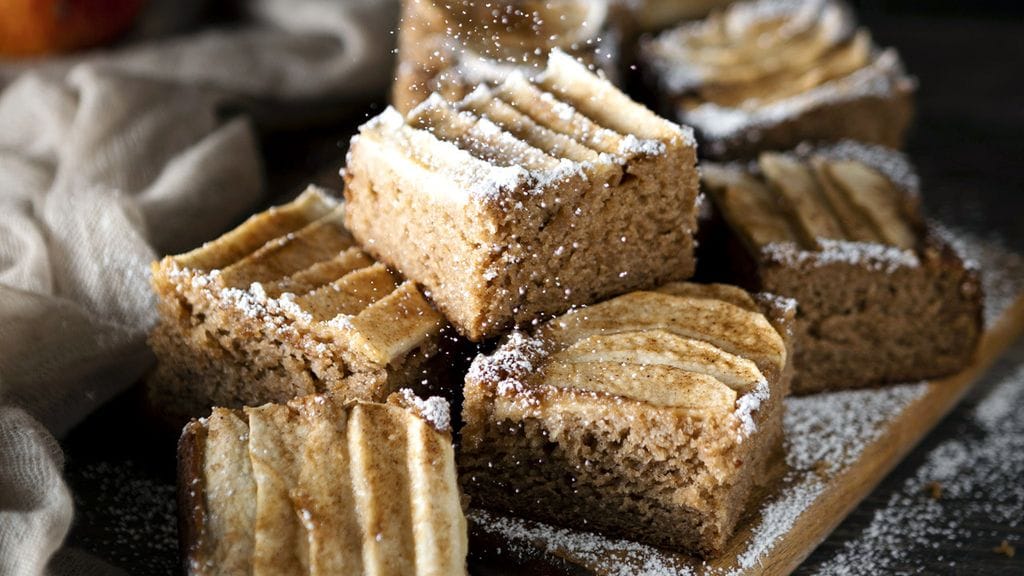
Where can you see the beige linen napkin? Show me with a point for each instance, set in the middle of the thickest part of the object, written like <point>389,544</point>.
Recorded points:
<point>108,160</point>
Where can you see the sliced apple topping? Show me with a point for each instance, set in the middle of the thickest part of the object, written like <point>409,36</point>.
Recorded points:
<point>658,347</point>
<point>725,292</point>
<point>752,208</point>
<point>803,201</point>
<point>656,384</point>
<point>795,184</point>
<point>876,196</point>
<point>735,330</point>
<point>747,56</point>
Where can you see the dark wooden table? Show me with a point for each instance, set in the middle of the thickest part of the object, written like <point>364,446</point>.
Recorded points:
<point>968,144</point>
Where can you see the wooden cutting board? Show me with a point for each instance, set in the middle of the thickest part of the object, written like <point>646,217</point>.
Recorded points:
<point>839,447</point>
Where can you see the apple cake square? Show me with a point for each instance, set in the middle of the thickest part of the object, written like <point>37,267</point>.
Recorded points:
<point>525,199</point>
<point>650,416</point>
<point>883,296</point>
<point>769,74</point>
<point>283,306</point>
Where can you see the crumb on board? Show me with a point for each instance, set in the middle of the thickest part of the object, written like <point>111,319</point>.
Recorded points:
<point>1005,548</point>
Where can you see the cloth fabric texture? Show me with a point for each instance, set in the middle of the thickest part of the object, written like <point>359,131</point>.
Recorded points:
<point>110,159</point>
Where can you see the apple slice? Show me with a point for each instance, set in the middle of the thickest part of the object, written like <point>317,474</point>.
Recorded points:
<point>275,440</point>
<point>230,491</point>
<point>796,184</point>
<point>658,347</point>
<point>316,242</point>
<point>348,295</point>
<point>655,384</point>
<point>874,194</point>
<point>725,292</point>
<point>324,496</point>
<point>750,207</point>
<point>394,324</point>
<point>734,329</point>
<point>378,444</point>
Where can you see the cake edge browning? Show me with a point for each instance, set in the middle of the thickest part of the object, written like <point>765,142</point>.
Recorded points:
<point>192,537</point>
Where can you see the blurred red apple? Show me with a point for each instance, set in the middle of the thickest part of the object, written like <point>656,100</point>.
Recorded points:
<point>31,27</point>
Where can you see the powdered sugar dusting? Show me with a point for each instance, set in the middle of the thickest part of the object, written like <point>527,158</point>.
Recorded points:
<point>1002,271</point>
<point>986,461</point>
<point>510,365</point>
<point>781,304</point>
<point>434,410</point>
<point>831,430</point>
<point>255,303</point>
<point>747,405</point>
<point>126,513</point>
<point>825,435</point>
<point>631,146</point>
<point>603,555</point>
<point>876,257</point>
<point>777,517</point>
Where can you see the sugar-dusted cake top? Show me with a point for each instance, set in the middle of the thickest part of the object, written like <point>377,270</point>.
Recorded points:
<point>707,349</point>
<point>763,61</point>
<point>297,271</point>
<point>848,203</point>
<point>525,135</point>
<point>322,486</point>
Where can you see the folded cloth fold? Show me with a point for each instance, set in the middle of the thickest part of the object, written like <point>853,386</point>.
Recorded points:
<point>108,160</point>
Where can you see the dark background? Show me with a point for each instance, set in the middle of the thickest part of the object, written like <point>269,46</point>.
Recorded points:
<point>967,144</point>
<point>941,7</point>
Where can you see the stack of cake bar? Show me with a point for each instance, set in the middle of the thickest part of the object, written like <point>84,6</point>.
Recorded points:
<point>544,215</point>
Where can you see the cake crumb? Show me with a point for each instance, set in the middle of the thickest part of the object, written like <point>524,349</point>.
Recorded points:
<point>1006,549</point>
<point>933,490</point>
<point>821,468</point>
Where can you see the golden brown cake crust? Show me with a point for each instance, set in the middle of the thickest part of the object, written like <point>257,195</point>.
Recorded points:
<point>662,441</point>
